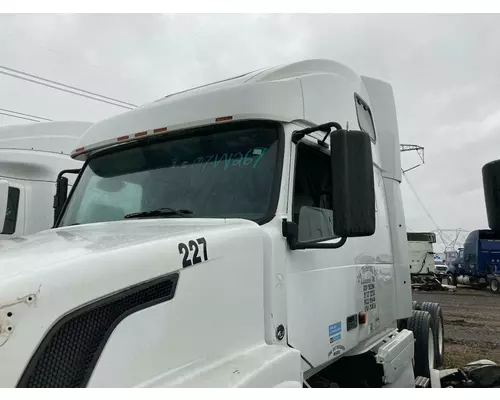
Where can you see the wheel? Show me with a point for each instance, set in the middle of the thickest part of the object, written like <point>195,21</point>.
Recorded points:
<point>483,283</point>
<point>434,309</point>
<point>451,280</point>
<point>420,323</point>
<point>495,285</point>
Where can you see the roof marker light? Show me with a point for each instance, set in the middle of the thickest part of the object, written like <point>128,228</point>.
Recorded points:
<point>139,134</point>
<point>221,119</point>
<point>160,130</point>
<point>80,149</point>
<point>122,138</point>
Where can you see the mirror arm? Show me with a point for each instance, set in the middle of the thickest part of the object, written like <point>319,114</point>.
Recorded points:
<point>297,136</point>
<point>290,232</point>
<point>67,171</point>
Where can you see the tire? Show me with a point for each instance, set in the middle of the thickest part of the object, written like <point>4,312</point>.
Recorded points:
<point>495,285</point>
<point>451,280</point>
<point>415,305</point>
<point>434,309</point>
<point>420,323</point>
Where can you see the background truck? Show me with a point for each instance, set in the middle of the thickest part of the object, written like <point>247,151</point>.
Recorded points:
<point>478,262</point>
<point>440,265</point>
<point>450,256</point>
<point>31,158</point>
<point>247,233</point>
<point>422,261</point>
<point>421,252</point>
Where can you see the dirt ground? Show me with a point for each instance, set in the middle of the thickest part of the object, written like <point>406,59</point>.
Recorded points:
<point>471,324</point>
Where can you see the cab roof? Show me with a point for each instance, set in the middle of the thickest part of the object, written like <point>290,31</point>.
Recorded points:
<point>273,94</point>
<point>55,137</point>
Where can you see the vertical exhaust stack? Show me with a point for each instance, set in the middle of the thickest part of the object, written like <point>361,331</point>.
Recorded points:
<point>491,186</point>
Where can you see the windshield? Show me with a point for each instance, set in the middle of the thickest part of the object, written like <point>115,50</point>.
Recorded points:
<point>227,172</point>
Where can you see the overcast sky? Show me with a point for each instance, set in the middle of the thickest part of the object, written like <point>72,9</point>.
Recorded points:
<point>444,70</point>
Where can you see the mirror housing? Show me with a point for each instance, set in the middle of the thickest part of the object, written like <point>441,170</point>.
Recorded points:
<point>353,185</point>
<point>491,187</point>
<point>60,197</point>
<point>61,192</point>
<point>4,195</point>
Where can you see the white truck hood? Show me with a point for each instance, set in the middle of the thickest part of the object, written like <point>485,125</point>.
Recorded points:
<point>45,276</point>
<point>47,249</point>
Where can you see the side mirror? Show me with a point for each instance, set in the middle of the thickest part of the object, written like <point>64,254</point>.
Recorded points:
<point>60,196</point>
<point>491,187</point>
<point>4,195</point>
<point>353,194</point>
<point>61,192</point>
<point>353,186</point>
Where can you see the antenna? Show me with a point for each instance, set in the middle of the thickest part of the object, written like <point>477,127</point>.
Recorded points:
<point>413,147</point>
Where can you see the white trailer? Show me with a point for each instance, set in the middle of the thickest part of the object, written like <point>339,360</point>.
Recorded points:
<point>31,157</point>
<point>248,233</point>
<point>421,252</point>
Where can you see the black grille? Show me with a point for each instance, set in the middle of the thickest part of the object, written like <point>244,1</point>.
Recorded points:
<point>68,353</point>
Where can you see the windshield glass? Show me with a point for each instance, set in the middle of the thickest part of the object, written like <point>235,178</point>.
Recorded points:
<point>225,173</point>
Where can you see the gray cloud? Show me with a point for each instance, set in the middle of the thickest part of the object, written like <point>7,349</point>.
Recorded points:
<point>444,69</point>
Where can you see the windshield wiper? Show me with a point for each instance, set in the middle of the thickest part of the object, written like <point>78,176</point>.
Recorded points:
<point>160,212</point>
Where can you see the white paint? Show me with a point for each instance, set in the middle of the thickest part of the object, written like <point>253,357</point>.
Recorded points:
<point>280,100</point>
<point>384,110</point>
<point>54,137</point>
<point>31,156</point>
<point>396,355</point>
<point>405,380</point>
<point>421,257</point>
<point>220,328</point>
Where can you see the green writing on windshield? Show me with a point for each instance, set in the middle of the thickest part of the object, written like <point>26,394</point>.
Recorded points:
<point>250,159</point>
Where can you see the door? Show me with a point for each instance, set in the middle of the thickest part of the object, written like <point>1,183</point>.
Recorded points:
<point>327,289</point>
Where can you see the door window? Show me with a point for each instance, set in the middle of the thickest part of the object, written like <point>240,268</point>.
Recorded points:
<point>9,226</point>
<point>312,206</point>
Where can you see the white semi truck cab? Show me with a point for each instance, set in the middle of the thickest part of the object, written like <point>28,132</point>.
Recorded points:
<point>31,157</point>
<point>248,233</point>
<point>421,252</point>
